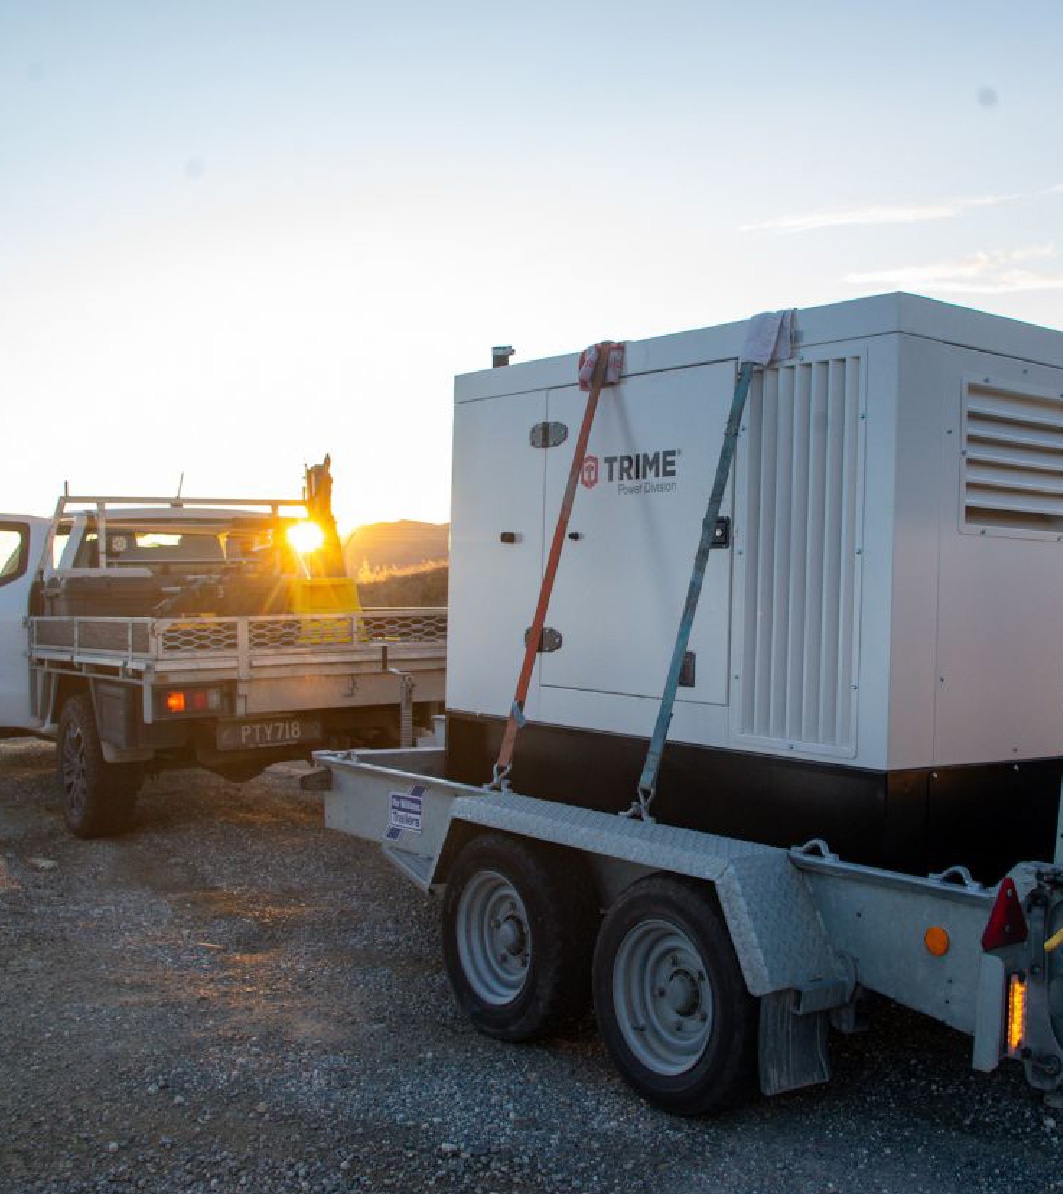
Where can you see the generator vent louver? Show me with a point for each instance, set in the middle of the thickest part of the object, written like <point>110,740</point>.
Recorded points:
<point>801,510</point>
<point>1013,460</point>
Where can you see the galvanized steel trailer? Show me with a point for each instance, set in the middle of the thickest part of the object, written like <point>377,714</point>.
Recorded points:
<point>707,958</point>
<point>877,663</point>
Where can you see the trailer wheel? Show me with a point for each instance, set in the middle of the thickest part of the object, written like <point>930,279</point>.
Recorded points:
<point>517,939</point>
<point>98,797</point>
<point>671,1002</point>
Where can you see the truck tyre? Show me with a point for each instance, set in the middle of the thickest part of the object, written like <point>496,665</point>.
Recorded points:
<point>518,935</point>
<point>671,1002</point>
<point>98,797</point>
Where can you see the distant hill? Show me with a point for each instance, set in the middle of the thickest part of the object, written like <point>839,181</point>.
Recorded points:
<point>418,586</point>
<point>384,547</point>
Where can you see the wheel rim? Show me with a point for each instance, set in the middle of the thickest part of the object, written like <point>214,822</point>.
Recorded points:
<point>493,938</point>
<point>662,997</point>
<point>74,782</point>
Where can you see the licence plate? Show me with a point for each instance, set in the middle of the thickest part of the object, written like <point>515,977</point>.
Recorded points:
<point>277,731</point>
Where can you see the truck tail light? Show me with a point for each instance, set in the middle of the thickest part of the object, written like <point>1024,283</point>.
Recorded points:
<point>1007,925</point>
<point>193,700</point>
<point>1016,1013</point>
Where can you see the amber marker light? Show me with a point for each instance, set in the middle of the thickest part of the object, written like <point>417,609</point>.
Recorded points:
<point>1016,1012</point>
<point>936,940</point>
<point>175,702</point>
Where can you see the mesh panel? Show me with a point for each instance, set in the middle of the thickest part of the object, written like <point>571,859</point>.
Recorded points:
<point>298,632</point>
<point>54,632</point>
<point>206,635</point>
<point>92,634</point>
<point>428,626</point>
<point>405,626</point>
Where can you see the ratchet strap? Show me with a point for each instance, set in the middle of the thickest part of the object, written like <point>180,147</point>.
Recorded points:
<point>599,366</point>
<point>768,340</point>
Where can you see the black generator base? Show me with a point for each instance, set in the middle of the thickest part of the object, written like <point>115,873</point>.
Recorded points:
<point>986,817</point>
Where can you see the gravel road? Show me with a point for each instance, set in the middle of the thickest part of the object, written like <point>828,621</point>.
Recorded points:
<point>233,998</point>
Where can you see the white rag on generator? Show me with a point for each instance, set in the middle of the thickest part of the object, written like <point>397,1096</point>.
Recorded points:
<point>768,339</point>
<point>588,359</point>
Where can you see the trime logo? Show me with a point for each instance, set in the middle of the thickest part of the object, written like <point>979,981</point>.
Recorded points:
<point>643,473</point>
<point>641,465</point>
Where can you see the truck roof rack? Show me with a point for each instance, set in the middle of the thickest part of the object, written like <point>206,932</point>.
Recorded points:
<point>121,507</point>
<point>69,499</point>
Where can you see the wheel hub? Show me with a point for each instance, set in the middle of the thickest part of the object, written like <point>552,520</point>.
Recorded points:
<point>511,936</point>
<point>662,998</point>
<point>74,769</point>
<point>493,938</point>
<point>681,993</point>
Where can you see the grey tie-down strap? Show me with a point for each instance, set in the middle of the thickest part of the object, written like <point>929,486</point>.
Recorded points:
<point>768,340</point>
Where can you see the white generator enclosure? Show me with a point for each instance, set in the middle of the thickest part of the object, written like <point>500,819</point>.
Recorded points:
<point>877,657</point>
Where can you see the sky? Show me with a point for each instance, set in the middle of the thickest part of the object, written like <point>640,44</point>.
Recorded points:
<point>238,234</point>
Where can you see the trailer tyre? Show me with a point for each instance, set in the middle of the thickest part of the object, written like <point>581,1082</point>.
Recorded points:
<point>98,797</point>
<point>671,1002</point>
<point>518,935</point>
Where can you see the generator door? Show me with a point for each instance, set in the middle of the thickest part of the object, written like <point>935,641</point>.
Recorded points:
<point>496,556</point>
<point>635,527</point>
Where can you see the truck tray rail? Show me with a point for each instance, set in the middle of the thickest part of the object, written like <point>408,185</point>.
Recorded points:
<point>146,643</point>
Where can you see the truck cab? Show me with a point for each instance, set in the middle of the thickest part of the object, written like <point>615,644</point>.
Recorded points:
<point>22,539</point>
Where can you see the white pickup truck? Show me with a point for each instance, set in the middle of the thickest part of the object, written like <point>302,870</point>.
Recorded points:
<point>148,633</point>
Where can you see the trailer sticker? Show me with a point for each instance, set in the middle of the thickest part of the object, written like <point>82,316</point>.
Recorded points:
<point>406,810</point>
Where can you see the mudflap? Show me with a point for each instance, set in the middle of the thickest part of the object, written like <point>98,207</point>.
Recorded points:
<point>792,1047</point>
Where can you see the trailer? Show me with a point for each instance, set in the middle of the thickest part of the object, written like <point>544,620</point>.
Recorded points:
<point>710,961</point>
<point>863,716</point>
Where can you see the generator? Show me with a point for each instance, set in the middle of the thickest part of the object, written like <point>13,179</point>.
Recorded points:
<point>877,657</point>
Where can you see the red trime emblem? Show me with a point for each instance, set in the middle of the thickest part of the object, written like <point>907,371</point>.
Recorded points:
<point>589,472</point>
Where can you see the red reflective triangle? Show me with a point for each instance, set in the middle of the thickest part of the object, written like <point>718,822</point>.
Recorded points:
<point>1007,925</point>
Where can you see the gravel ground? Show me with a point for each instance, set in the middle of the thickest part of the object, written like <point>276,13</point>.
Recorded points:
<point>233,998</point>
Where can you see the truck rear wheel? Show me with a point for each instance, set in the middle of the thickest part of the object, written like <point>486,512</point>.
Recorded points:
<point>98,797</point>
<point>671,1002</point>
<point>518,935</point>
